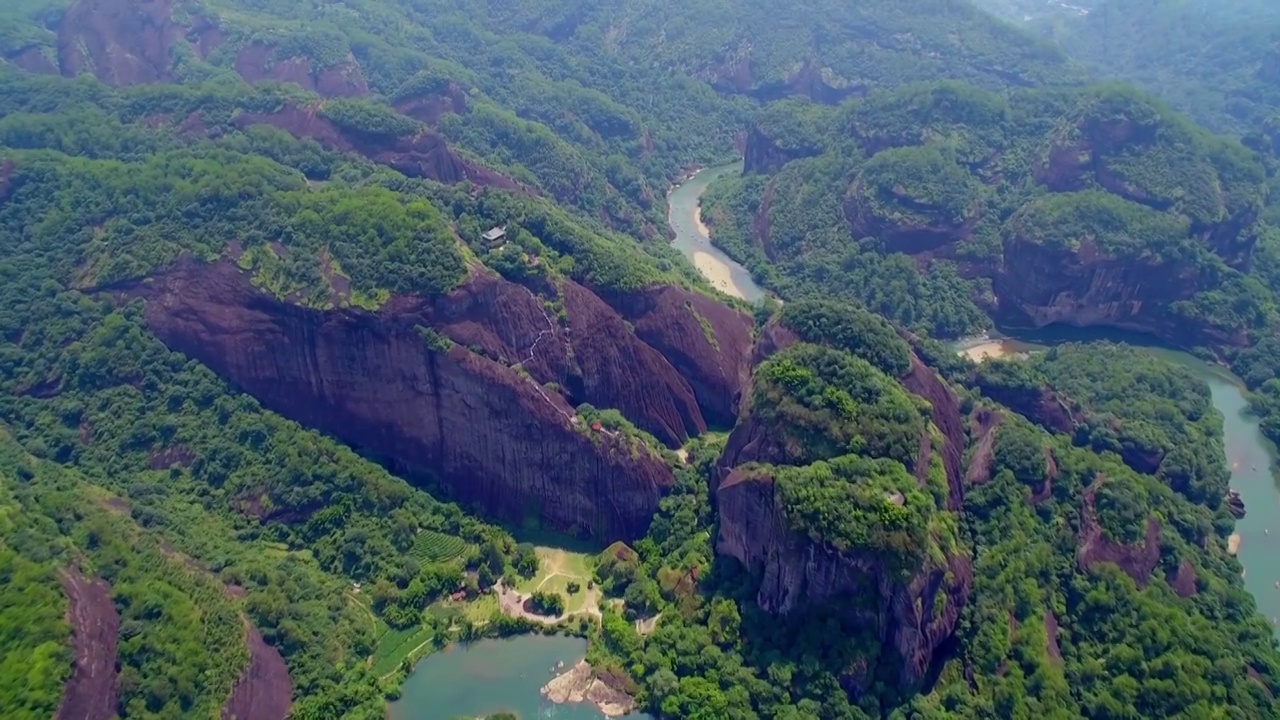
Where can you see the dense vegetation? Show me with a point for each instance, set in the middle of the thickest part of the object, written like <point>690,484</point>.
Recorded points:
<point>1043,633</point>
<point>1213,61</point>
<point>910,200</point>
<point>1152,413</point>
<point>203,511</point>
<point>821,403</point>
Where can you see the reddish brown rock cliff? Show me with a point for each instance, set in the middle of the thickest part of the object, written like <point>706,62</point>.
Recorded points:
<point>263,691</point>
<point>913,617</point>
<point>91,693</point>
<point>493,435</point>
<point>708,343</point>
<point>423,155</point>
<point>945,414</point>
<point>257,62</point>
<point>1094,548</point>
<point>118,41</point>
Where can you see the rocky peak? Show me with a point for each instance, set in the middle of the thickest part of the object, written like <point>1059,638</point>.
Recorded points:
<point>913,616</point>
<point>491,417</point>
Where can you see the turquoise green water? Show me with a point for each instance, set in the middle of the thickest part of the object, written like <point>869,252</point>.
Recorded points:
<point>493,676</point>
<point>682,214</point>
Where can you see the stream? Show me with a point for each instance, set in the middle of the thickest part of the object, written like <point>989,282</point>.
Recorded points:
<point>1250,456</point>
<point>493,676</point>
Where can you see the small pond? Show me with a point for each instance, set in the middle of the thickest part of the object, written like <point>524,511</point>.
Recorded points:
<point>494,676</point>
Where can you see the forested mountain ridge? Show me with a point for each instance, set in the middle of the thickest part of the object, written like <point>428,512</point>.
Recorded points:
<point>186,255</point>
<point>1215,61</point>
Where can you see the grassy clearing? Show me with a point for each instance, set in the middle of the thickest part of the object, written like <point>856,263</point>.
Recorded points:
<point>556,569</point>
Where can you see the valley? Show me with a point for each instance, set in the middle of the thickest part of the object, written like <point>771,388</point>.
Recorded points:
<point>363,358</point>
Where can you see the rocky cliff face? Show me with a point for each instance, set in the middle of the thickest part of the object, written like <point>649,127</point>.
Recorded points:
<point>761,154</point>
<point>1093,547</point>
<point>264,690</point>
<point>134,42</point>
<point>736,72</point>
<point>708,343</point>
<point>914,617</point>
<point>424,155</point>
<point>121,43</point>
<point>259,61</point>
<point>1038,286</point>
<point>481,417</point>
<point>928,231</point>
<point>92,691</point>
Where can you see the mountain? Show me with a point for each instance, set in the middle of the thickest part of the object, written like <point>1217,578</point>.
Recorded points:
<point>1094,207</point>
<point>311,309</point>
<point>1216,62</point>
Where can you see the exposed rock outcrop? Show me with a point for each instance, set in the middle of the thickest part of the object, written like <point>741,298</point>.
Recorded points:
<point>982,427</point>
<point>1183,581</point>
<point>263,691</point>
<point>1137,560</point>
<point>429,108</point>
<point>1042,406</point>
<point>708,343</point>
<point>735,72</point>
<point>914,617</point>
<point>1039,285</point>
<point>491,433</point>
<point>761,154</point>
<point>92,692</point>
<point>118,41</point>
<point>945,414</point>
<point>909,226</point>
<point>259,61</point>
<point>423,155</point>
<point>133,42</point>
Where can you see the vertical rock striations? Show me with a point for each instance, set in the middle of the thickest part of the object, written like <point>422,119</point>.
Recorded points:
<point>492,415</point>
<point>914,616</point>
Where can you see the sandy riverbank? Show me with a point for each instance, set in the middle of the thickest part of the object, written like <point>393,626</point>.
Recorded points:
<point>994,349</point>
<point>717,273</point>
<point>580,684</point>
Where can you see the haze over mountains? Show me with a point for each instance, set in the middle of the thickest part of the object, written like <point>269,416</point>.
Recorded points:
<point>277,401</point>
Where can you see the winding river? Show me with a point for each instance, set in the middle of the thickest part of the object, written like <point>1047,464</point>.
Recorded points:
<point>492,676</point>
<point>1250,456</point>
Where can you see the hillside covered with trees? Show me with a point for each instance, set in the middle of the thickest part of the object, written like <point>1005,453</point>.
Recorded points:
<point>311,308</point>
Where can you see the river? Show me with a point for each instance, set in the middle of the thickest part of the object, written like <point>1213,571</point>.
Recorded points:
<point>494,676</point>
<point>693,240</point>
<point>1250,456</point>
